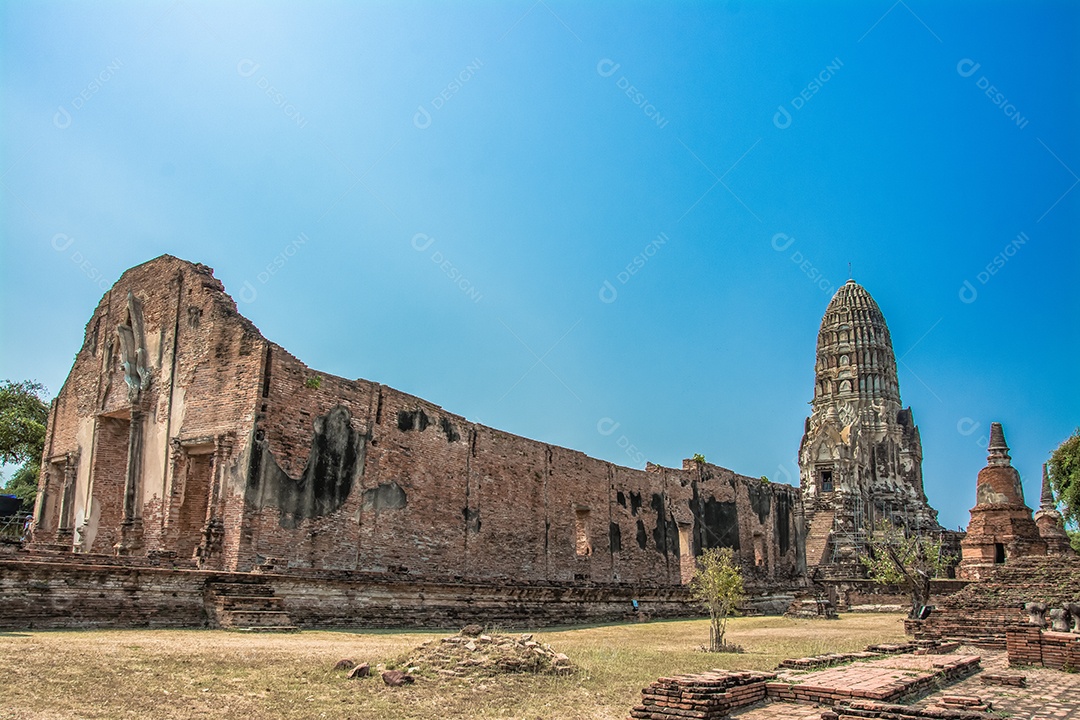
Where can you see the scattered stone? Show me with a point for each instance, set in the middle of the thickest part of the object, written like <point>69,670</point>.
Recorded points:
<point>396,678</point>
<point>487,655</point>
<point>345,665</point>
<point>361,670</point>
<point>471,631</point>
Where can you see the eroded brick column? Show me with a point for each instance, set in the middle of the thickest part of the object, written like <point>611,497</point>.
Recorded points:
<point>131,525</point>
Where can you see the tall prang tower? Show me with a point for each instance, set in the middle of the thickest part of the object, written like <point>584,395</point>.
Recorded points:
<point>860,460</point>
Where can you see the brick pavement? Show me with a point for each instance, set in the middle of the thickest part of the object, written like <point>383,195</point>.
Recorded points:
<point>1047,694</point>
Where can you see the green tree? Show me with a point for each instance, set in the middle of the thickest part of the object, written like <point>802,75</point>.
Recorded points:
<point>1064,472</point>
<point>718,585</point>
<point>907,560</point>
<point>23,415</point>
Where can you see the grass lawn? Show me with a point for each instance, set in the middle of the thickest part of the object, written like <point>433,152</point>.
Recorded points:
<point>151,674</point>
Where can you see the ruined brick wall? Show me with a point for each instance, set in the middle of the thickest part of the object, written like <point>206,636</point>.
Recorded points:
<point>203,361</point>
<point>433,495</point>
<point>297,470</point>
<point>983,610</point>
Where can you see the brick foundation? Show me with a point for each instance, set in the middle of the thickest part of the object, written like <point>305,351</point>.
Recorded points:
<point>38,594</point>
<point>1028,645</point>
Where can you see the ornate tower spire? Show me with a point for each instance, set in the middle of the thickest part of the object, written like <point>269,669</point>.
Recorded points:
<point>861,457</point>
<point>1047,503</point>
<point>998,450</point>
<point>855,360</point>
<point>1049,521</point>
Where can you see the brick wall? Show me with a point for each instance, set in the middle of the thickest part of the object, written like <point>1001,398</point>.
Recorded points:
<point>36,594</point>
<point>983,610</point>
<point>315,472</point>
<point>1029,645</point>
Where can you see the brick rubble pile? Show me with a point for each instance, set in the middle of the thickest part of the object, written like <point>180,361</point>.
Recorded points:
<point>477,653</point>
<point>704,696</point>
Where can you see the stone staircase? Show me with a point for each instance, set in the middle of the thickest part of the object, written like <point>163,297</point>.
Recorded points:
<point>817,539</point>
<point>246,604</point>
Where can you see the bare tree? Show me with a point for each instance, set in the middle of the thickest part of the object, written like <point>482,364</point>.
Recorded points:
<point>718,585</point>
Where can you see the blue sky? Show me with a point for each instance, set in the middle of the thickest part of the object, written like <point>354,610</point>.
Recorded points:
<point>609,226</point>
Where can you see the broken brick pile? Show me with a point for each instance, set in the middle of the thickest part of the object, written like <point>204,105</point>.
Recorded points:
<point>1029,645</point>
<point>472,652</point>
<point>980,613</point>
<point>703,696</point>
<point>858,709</point>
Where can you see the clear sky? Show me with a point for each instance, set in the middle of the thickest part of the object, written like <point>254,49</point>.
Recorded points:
<point>610,226</point>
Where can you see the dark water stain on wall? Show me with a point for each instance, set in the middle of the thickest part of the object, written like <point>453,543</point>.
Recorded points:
<point>716,524</point>
<point>760,499</point>
<point>333,466</point>
<point>666,533</point>
<point>783,521</point>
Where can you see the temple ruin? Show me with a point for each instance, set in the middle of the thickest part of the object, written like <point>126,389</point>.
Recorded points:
<point>182,433</point>
<point>860,459</point>
<point>196,473</point>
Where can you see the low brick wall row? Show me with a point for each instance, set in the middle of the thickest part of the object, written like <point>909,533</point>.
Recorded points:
<point>35,594</point>
<point>1029,645</point>
<point>704,696</point>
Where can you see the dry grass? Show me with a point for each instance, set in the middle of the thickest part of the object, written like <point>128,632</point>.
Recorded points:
<point>174,674</point>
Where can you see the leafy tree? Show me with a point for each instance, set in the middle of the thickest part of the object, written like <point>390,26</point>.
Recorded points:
<point>23,415</point>
<point>718,585</point>
<point>909,561</point>
<point>1064,472</point>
